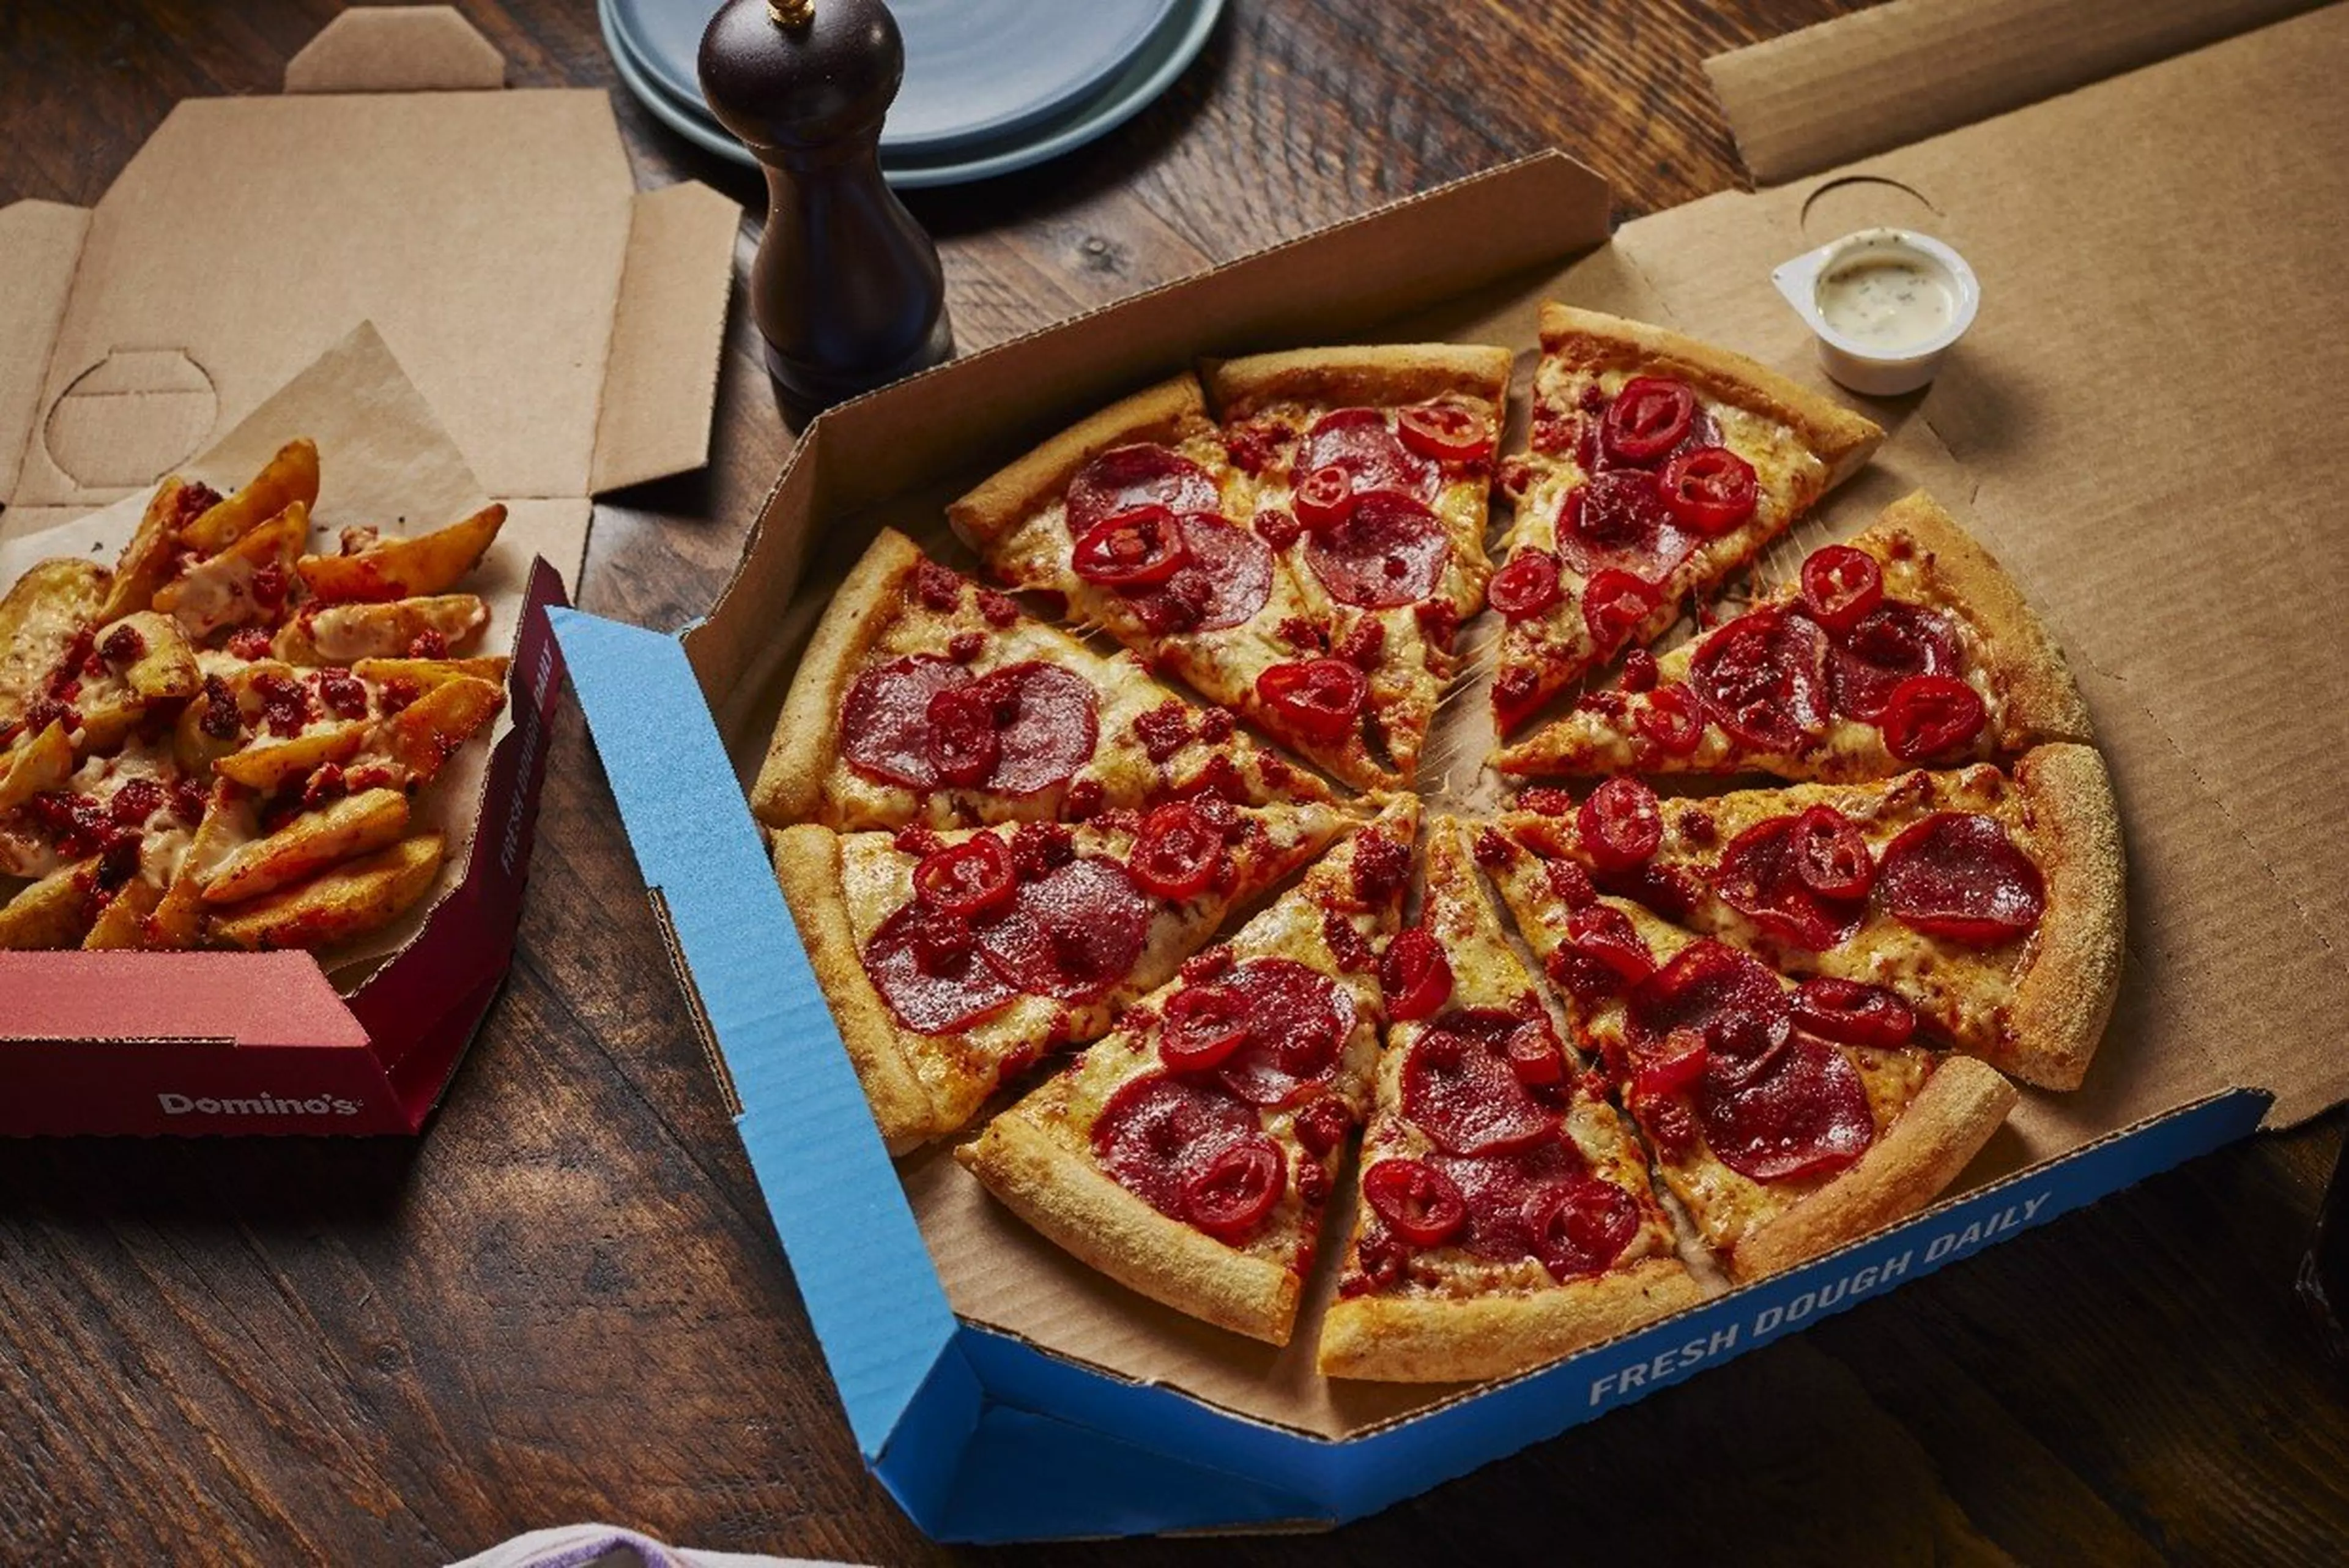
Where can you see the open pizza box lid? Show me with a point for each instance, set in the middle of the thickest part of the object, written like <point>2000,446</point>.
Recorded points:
<point>2085,430</point>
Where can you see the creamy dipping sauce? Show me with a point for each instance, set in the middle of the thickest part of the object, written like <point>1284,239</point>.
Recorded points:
<point>1887,299</point>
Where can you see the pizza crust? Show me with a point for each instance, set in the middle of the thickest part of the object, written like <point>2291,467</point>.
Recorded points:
<point>1957,1111</point>
<point>1380,375</point>
<point>807,865</point>
<point>1591,340</point>
<point>1165,413</point>
<point>1434,1339</point>
<point>807,741</point>
<point>1065,1197</point>
<point>2064,997</point>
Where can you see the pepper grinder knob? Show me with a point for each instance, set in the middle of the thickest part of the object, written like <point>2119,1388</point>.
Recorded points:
<point>846,288</point>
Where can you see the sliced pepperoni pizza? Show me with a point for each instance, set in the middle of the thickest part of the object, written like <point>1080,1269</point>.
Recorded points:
<point>924,697</point>
<point>1909,645</point>
<point>1369,469</point>
<point>1190,1155</point>
<point>953,960</point>
<point>1659,466</point>
<point>1786,1120</point>
<point>1991,903</point>
<point>1506,1218</point>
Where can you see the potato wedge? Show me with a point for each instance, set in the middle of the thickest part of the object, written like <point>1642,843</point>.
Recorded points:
<point>122,923</point>
<point>34,763</point>
<point>146,563</point>
<point>291,476</point>
<point>404,568</point>
<point>351,901</point>
<point>424,674</point>
<point>152,655</point>
<point>270,762</point>
<point>344,634</point>
<point>54,912</point>
<point>41,614</point>
<point>245,585</point>
<point>313,841</point>
<point>227,825</point>
<point>427,731</point>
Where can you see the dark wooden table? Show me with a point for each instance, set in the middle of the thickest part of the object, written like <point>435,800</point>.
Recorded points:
<point>567,1301</point>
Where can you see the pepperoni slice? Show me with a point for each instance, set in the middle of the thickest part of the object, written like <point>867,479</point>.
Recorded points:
<point>1390,550</point>
<point>1853,1013</point>
<point>1358,442</point>
<point>1502,1192</point>
<point>1224,578</point>
<point>1460,1090</point>
<point>1762,679</point>
<point>1929,715</point>
<point>1073,932</point>
<point>1156,1131</point>
<point>1230,1195</point>
<point>1617,519</point>
<point>1761,876</point>
<point>1127,478</point>
<point>1888,643</point>
<point>1298,1022</point>
<point>922,962</point>
<point>1414,975</point>
<point>1711,988</point>
<point>1957,875</point>
<point>1800,1111</point>
<point>885,725</point>
<point>1046,722</point>
<point>1419,1202</point>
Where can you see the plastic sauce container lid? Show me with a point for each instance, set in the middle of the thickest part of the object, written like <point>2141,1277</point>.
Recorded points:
<point>1885,304</point>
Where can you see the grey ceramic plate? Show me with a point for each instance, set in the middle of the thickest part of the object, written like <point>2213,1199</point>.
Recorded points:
<point>1163,58</point>
<point>976,70</point>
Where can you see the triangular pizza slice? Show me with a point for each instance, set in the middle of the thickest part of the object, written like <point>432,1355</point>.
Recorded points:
<point>1786,1120</point>
<point>1370,470</point>
<point>1658,467</point>
<point>953,960</point>
<point>925,698</point>
<point>1992,904</point>
<point>1190,1155</point>
<point>1506,1216</point>
<point>1908,645</point>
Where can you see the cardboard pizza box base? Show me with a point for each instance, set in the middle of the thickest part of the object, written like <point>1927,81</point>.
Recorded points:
<point>1002,1390</point>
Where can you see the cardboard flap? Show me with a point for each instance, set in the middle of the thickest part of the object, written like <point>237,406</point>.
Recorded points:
<point>660,383</point>
<point>1882,79</point>
<point>40,245</point>
<point>253,1000</point>
<point>383,48</point>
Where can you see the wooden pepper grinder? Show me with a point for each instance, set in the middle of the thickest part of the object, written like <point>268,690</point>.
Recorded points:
<point>846,288</point>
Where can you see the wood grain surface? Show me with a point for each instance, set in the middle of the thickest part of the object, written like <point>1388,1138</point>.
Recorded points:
<point>566,1302</point>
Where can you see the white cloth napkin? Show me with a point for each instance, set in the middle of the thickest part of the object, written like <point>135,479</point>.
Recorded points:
<point>608,1546</point>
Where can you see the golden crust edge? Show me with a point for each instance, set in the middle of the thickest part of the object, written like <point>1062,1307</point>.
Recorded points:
<point>1064,1199</point>
<point>1841,438</point>
<point>1378,373</point>
<point>2065,997</point>
<point>807,865</point>
<point>805,743</point>
<point>995,507</point>
<point>1477,1338</point>
<point>1961,1106</point>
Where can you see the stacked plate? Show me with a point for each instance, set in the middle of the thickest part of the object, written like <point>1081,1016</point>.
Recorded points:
<point>991,85</point>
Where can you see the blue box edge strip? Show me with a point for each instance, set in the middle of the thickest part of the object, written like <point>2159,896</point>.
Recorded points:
<point>862,1270</point>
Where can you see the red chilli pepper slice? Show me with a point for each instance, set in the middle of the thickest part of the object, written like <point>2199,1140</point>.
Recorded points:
<point>1853,1013</point>
<point>1534,1055</point>
<point>1841,586</point>
<point>1621,823</point>
<point>963,745</point>
<point>1323,499</point>
<point>1674,1064</point>
<point>1415,975</point>
<point>1202,1025</point>
<point>1178,852</point>
<point>1317,698</point>
<point>1929,714</point>
<point>1671,720</point>
<point>1614,605</point>
<point>1231,1194</point>
<point>1710,489</point>
<point>1830,855</point>
<point>1607,935</point>
<point>1132,550</point>
<point>967,878</point>
<point>1445,430</point>
<point>1648,418</point>
<point>1528,586</point>
<point>1420,1202</point>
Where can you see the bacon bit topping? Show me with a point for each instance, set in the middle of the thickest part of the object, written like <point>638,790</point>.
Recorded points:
<point>1083,800</point>
<point>1163,730</point>
<point>1300,634</point>
<point>1312,1184</point>
<point>1513,693</point>
<point>966,646</point>
<point>997,608</point>
<point>1547,801</point>
<point>1571,883</point>
<point>1255,444</point>
<point>1038,846</point>
<point>1695,825</point>
<point>1555,431</point>
<point>80,658</point>
<point>284,706</point>
<point>1381,865</point>
<point>135,802</point>
<point>916,840</point>
<point>187,799</point>
<point>1219,779</point>
<point>398,692</point>
<point>77,823</point>
<point>326,783</point>
<point>1365,645</point>
<point>939,587</point>
<point>1215,726</point>
<point>428,644</point>
<point>270,584</point>
<point>1203,966</point>
<point>1438,621</point>
<point>221,720</point>
<point>43,712</point>
<point>1277,528</point>
<point>123,644</point>
<point>249,643</point>
<point>1493,849</point>
<point>1321,1125</point>
<point>191,502</point>
<point>342,693</point>
<point>375,775</point>
<point>1347,946</point>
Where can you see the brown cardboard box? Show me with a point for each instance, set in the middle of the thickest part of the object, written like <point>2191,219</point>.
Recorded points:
<point>2138,427</point>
